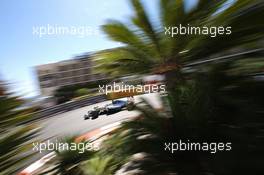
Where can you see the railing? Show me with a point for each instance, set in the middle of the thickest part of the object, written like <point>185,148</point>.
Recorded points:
<point>51,111</point>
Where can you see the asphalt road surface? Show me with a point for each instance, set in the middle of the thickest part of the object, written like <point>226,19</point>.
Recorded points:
<point>72,123</point>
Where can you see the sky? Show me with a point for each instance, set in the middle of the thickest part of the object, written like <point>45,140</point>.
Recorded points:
<point>22,48</point>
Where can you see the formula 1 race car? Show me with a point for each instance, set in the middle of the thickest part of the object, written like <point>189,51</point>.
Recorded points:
<point>114,107</point>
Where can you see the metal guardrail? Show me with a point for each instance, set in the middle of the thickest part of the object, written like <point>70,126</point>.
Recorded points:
<point>68,106</point>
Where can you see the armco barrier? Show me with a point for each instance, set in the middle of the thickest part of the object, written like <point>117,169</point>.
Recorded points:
<point>68,106</point>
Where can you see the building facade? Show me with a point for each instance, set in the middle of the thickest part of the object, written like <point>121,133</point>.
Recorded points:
<point>79,70</point>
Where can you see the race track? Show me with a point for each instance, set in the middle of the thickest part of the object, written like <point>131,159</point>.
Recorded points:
<point>72,122</point>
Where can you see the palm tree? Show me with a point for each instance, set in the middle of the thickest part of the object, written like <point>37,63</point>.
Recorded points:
<point>211,105</point>
<point>16,133</point>
<point>148,49</point>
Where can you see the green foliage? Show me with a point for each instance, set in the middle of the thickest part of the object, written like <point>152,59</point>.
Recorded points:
<point>215,103</point>
<point>99,166</point>
<point>81,92</point>
<point>146,46</point>
<point>16,133</point>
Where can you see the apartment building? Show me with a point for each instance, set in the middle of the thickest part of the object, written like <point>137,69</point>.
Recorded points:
<point>69,72</point>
